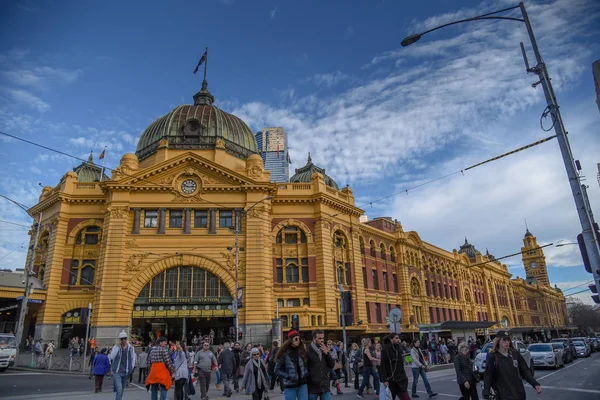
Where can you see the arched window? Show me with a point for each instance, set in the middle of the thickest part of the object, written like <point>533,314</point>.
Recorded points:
<point>392,254</point>
<point>415,287</point>
<point>88,236</point>
<point>290,235</point>
<point>184,282</point>
<point>382,249</point>
<point>291,271</point>
<point>373,248</point>
<point>313,320</point>
<point>339,240</point>
<point>88,272</point>
<point>361,242</point>
<point>341,273</point>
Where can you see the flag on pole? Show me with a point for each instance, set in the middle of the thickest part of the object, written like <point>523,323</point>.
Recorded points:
<point>102,158</point>
<point>277,150</point>
<point>102,154</point>
<point>202,59</point>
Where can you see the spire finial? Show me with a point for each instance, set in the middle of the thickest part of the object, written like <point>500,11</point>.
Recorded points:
<point>466,242</point>
<point>526,227</point>
<point>91,157</point>
<point>309,161</point>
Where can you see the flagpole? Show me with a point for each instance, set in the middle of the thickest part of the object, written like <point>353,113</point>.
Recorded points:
<point>205,64</point>
<point>103,156</point>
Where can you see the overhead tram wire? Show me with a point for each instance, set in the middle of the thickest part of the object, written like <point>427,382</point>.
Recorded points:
<point>574,287</point>
<point>10,252</point>
<point>14,223</point>
<point>581,291</point>
<point>507,256</point>
<point>106,168</point>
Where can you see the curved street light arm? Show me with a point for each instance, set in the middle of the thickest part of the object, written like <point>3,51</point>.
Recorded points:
<point>470,19</point>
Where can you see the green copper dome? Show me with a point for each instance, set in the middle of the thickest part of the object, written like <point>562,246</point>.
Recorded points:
<point>305,173</point>
<point>198,126</point>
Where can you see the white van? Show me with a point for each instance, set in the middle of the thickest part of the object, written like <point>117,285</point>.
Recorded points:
<point>8,351</point>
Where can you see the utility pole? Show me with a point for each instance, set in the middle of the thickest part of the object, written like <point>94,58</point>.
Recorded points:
<point>28,271</point>
<point>589,235</point>
<point>87,334</point>
<point>343,312</point>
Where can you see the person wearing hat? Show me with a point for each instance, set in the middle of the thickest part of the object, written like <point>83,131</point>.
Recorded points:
<point>290,366</point>
<point>122,359</point>
<point>256,378</point>
<point>506,370</point>
<point>100,367</point>
<point>161,368</point>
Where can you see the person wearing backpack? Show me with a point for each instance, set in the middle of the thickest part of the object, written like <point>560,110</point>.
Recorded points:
<point>506,370</point>
<point>433,351</point>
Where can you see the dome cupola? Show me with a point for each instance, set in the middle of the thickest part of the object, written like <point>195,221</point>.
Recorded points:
<point>198,127</point>
<point>305,173</point>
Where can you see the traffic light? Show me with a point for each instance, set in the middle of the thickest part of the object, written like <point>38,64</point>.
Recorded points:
<point>240,336</point>
<point>584,254</point>
<point>594,289</point>
<point>347,308</point>
<point>296,322</point>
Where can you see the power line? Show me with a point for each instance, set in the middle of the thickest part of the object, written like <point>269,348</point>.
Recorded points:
<point>510,255</point>
<point>15,202</point>
<point>581,291</point>
<point>574,287</point>
<point>13,223</point>
<point>10,252</point>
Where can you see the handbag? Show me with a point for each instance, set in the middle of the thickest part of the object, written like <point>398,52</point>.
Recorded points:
<point>337,365</point>
<point>240,371</point>
<point>265,395</point>
<point>476,373</point>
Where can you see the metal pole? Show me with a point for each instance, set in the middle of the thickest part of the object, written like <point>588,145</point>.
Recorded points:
<point>563,142</point>
<point>237,259</point>
<point>87,334</point>
<point>343,312</point>
<point>23,310</point>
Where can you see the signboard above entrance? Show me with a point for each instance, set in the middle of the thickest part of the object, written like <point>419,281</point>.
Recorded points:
<point>180,313</point>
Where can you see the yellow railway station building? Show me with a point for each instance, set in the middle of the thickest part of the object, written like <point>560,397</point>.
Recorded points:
<point>151,246</point>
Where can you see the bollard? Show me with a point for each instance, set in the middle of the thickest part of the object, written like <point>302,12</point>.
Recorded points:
<point>31,364</point>
<point>70,362</point>
<point>49,362</point>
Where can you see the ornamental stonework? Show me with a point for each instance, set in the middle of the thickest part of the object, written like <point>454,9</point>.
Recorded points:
<point>135,262</point>
<point>119,213</point>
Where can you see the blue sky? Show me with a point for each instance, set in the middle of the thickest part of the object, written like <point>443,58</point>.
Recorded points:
<point>83,75</point>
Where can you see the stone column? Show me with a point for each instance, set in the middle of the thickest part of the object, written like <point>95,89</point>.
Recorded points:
<point>187,221</point>
<point>136,221</point>
<point>162,213</point>
<point>212,224</point>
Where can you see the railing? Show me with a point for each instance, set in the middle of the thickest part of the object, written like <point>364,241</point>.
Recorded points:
<point>85,185</point>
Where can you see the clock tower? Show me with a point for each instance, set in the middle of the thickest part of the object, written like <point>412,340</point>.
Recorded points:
<point>534,260</point>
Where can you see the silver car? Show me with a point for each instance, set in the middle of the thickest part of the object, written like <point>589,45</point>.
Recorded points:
<point>481,358</point>
<point>582,349</point>
<point>546,355</point>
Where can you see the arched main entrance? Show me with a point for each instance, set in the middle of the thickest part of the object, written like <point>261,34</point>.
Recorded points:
<point>180,303</point>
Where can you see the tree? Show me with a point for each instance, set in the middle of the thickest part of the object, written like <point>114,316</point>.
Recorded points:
<point>585,317</point>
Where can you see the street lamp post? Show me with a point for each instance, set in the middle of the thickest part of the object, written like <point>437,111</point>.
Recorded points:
<point>583,210</point>
<point>238,220</point>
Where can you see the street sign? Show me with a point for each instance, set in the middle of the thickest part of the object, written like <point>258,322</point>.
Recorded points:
<point>395,317</point>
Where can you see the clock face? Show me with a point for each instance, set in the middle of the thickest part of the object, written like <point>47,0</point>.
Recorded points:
<point>533,265</point>
<point>189,186</point>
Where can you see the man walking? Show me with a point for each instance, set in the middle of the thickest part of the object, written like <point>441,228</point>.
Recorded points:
<point>142,365</point>
<point>227,365</point>
<point>319,364</point>
<point>393,375</point>
<point>237,350</point>
<point>204,362</point>
<point>419,368</point>
<point>122,359</point>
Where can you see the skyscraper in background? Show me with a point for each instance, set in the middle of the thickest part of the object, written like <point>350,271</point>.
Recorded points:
<point>273,148</point>
<point>596,72</point>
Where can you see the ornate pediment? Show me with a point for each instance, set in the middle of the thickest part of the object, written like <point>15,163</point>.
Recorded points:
<point>170,174</point>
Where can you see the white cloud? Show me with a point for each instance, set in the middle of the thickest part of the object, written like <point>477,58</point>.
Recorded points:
<point>28,99</point>
<point>327,79</point>
<point>272,13</point>
<point>35,170</point>
<point>349,31</point>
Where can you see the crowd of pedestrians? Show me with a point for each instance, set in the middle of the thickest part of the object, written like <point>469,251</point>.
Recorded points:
<point>303,371</point>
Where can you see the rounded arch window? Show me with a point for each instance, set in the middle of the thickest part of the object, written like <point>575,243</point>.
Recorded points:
<point>339,239</point>
<point>88,236</point>
<point>290,235</point>
<point>392,254</point>
<point>382,249</point>
<point>361,242</point>
<point>373,248</point>
<point>184,282</point>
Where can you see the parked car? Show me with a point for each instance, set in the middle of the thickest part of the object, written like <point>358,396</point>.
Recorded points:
<point>585,340</point>
<point>546,355</point>
<point>481,358</point>
<point>582,349</point>
<point>569,348</point>
<point>595,344</point>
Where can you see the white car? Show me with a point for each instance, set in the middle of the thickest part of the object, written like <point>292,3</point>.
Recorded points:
<point>8,351</point>
<point>481,358</point>
<point>581,348</point>
<point>546,355</point>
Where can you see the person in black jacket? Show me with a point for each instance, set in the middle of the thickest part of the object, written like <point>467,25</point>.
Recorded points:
<point>506,370</point>
<point>319,364</point>
<point>271,366</point>
<point>393,375</point>
<point>465,376</point>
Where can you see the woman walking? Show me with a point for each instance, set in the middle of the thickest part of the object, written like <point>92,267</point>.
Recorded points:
<point>101,367</point>
<point>368,369</point>
<point>181,370</point>
<point>256,379</point>
<point>355,363</point>
<point>465,376</point>
<point>290,365</point>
